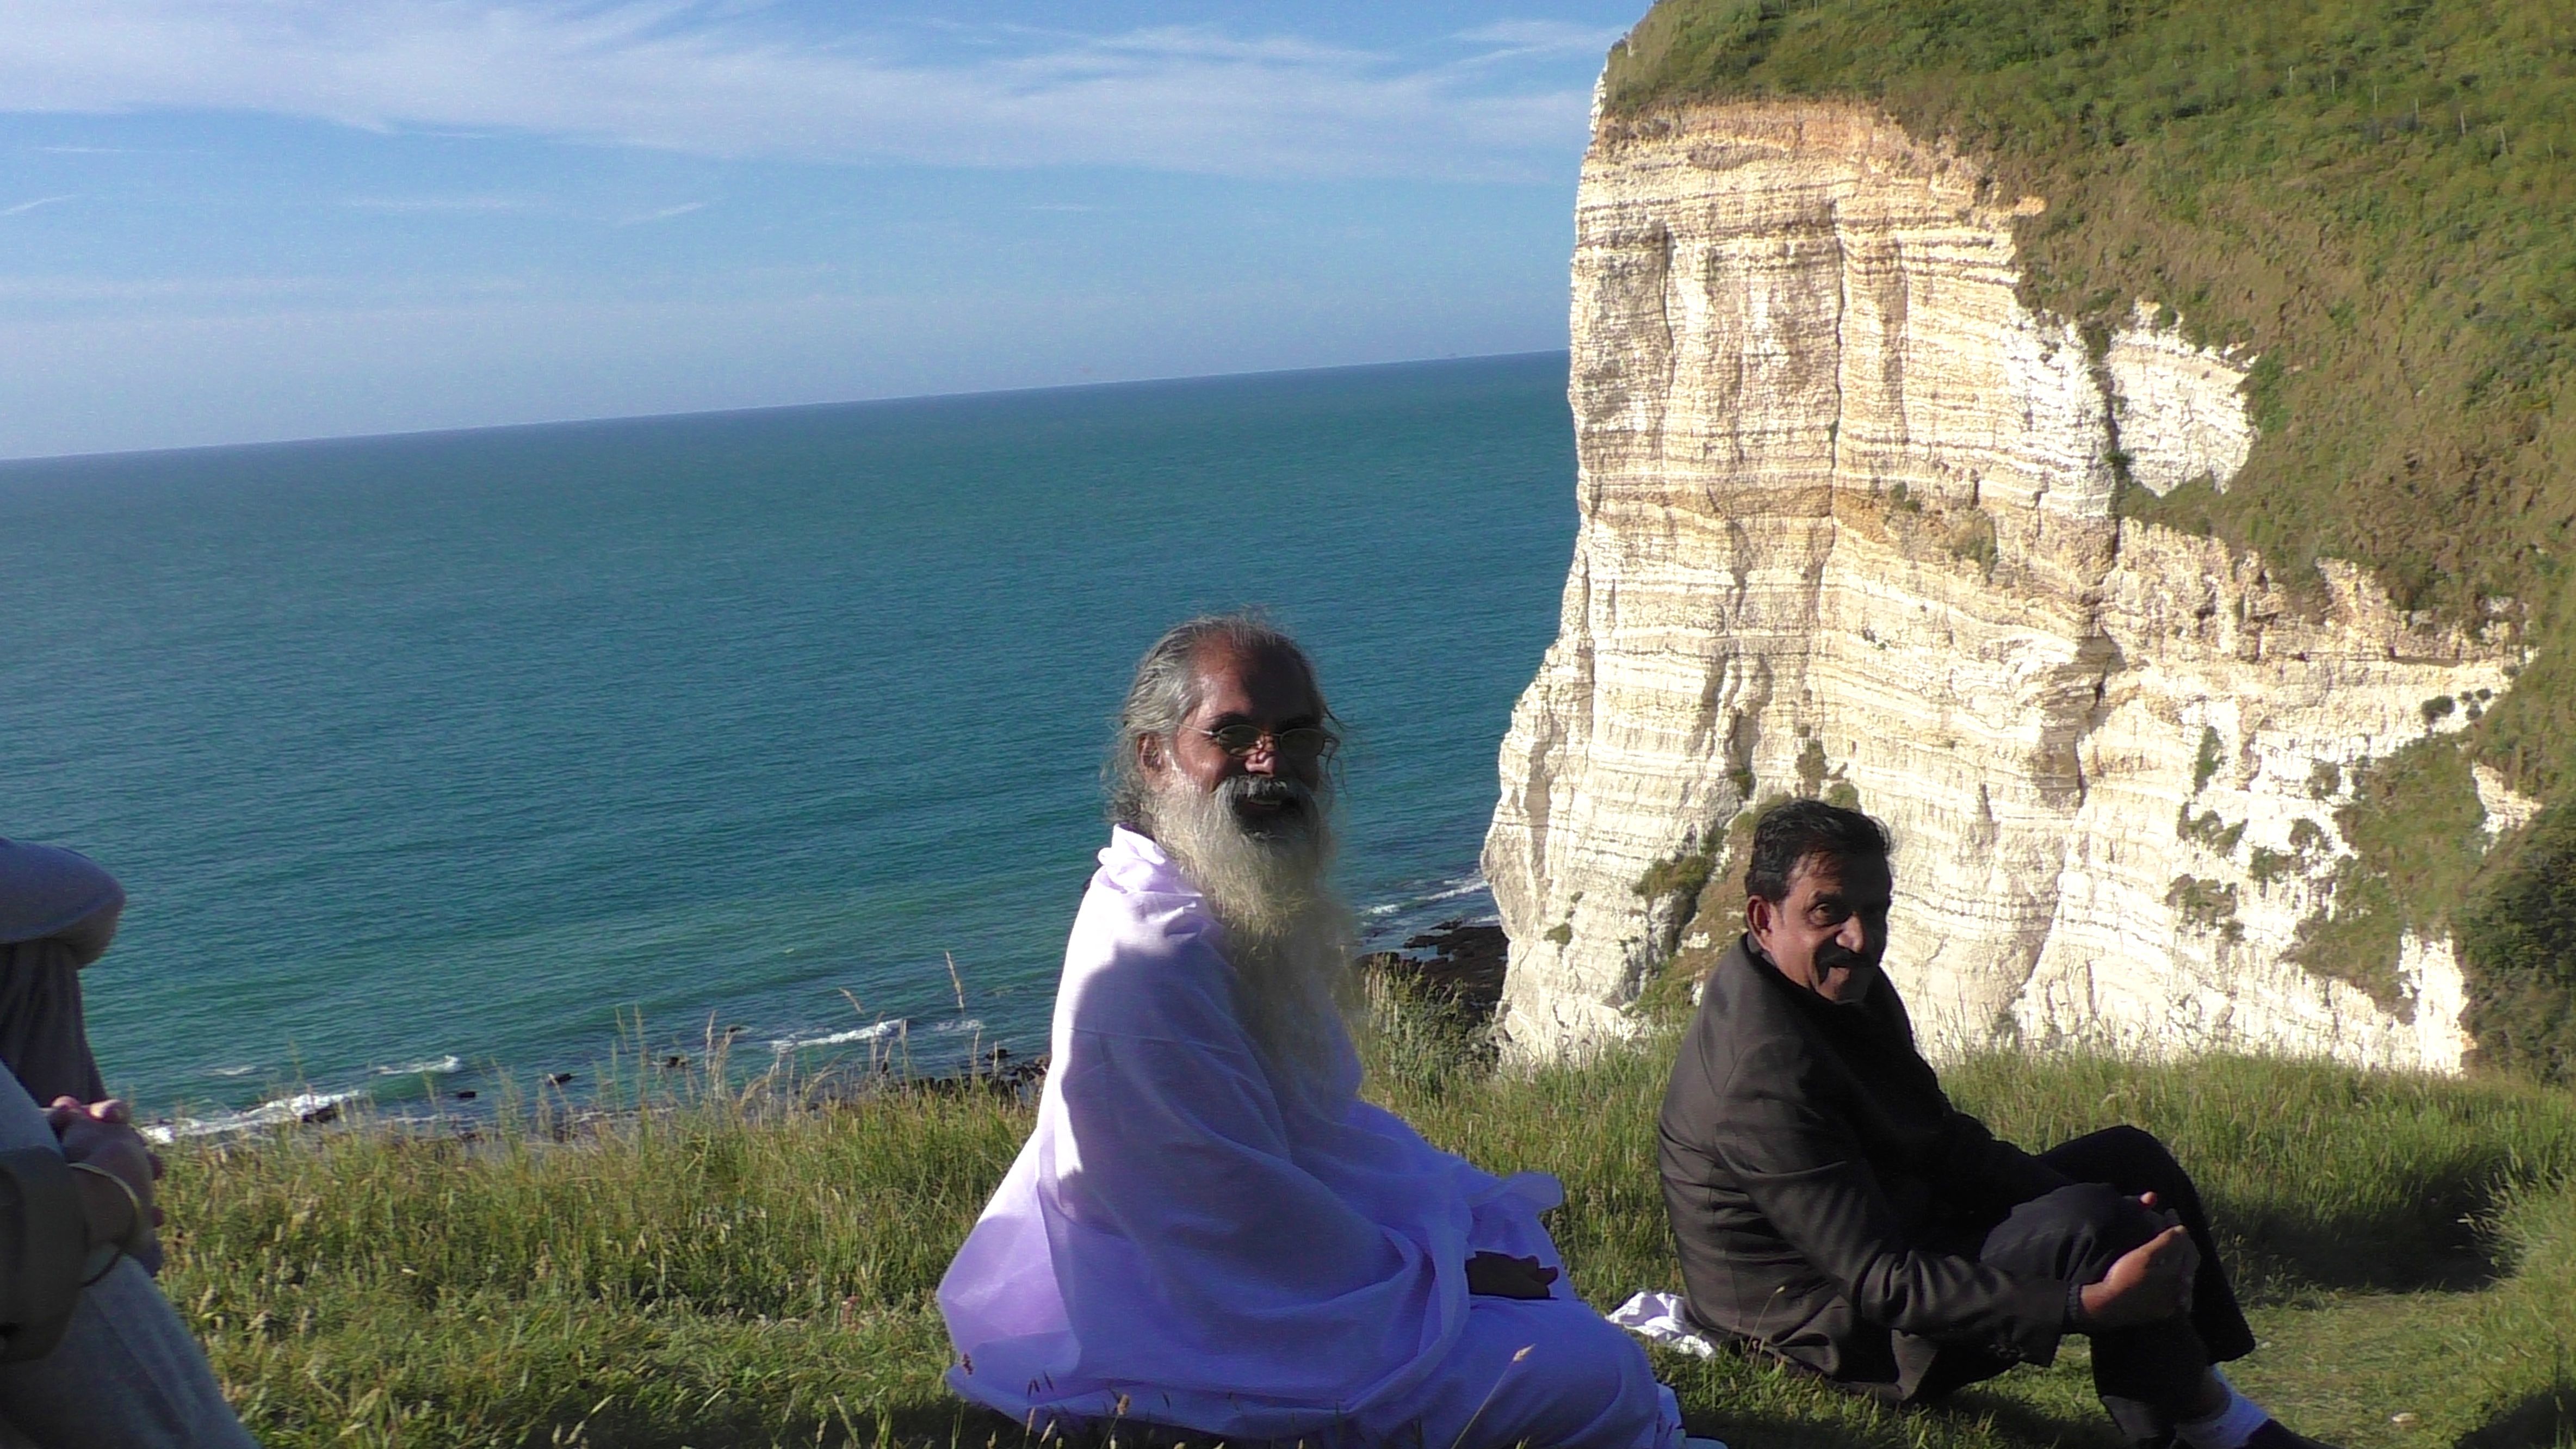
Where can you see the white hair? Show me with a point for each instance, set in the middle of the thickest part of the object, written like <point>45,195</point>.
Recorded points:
<point>1288,935</point>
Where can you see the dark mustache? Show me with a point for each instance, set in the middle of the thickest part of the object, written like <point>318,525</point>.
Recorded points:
<point>1267,790</point>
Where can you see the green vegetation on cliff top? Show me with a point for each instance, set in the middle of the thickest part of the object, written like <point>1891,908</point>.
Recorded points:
<point>2377,197</point>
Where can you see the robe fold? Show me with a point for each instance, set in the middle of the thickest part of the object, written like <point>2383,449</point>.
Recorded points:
<point>1182,1243</point>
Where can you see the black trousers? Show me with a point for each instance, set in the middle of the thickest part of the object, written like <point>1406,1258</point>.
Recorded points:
<point>2076,1233</point>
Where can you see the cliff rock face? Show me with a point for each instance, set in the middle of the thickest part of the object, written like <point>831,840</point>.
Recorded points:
<point>1847,529</point>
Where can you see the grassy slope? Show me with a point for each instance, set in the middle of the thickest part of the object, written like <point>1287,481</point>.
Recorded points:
<point>721,1275</point>
<point>2379,197</point>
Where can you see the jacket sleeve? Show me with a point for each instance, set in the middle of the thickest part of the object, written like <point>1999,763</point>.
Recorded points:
<point>43,1240</point>
<point>1805,1172</point>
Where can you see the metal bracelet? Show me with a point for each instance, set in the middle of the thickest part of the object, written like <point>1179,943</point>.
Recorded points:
<point>141,1224</point>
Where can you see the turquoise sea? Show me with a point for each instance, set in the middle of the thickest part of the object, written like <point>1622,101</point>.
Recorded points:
<point>427,757</point>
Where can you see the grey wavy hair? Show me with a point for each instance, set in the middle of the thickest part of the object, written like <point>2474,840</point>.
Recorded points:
<point>1165,690</point>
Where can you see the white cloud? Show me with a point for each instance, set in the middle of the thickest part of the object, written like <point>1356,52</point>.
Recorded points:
<point>662,213</point>
<point>1544,37</point>
<point>172,296</point>
<point>22,208</point>
<point>438,205</point>
<point>720,81</point>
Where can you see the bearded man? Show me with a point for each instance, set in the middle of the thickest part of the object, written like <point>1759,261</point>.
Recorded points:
<point>1208,1230</point>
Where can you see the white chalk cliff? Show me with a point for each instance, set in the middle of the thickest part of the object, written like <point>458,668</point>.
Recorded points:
<point>1847,526</point>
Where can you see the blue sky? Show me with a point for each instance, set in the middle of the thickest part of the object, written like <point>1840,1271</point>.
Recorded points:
<point>234,220</point>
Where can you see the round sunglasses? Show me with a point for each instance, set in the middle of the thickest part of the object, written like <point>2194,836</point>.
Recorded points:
<point>1305,742</point>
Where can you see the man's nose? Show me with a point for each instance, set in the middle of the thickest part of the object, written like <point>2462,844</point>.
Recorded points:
<point>1262,758</point>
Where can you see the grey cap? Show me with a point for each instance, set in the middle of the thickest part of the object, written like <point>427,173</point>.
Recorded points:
<point>46,890</point>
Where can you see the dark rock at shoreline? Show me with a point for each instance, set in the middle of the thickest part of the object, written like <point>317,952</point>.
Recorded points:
<point>996,1073</point>
<point>1460,961</point>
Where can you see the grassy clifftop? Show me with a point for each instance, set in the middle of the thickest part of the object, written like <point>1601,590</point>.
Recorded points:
<point>2379,197</point>
<point>731,1269</point>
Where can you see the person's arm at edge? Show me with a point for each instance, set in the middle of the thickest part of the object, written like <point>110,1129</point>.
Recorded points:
<point>45,1234</point>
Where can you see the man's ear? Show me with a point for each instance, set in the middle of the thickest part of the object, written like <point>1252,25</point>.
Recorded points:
<point>1151,755</point>
<point>1760,915</point>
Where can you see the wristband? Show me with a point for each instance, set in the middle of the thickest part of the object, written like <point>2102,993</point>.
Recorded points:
<point>139,1225</point>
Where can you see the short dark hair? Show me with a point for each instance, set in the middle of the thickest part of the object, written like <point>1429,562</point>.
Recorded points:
<point>1792,830</point>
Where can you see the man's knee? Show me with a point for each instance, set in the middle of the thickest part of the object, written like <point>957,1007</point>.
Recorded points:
<point>2129,1158</point>
<point>2073,1233</point>
<point>1549,1371</point>
<point>1570,1344</point>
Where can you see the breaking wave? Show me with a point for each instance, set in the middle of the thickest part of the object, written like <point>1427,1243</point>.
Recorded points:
<point>301,1107</point>
<point>433,1067</point>
<point>875,1031</point>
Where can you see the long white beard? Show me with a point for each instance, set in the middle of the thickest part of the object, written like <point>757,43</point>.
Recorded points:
<point>1287,933</point>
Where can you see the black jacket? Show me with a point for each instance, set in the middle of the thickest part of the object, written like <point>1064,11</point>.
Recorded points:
<point>1813,1171</point>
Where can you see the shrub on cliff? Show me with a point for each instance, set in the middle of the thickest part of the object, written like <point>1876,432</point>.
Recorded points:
<point>2520,938</point>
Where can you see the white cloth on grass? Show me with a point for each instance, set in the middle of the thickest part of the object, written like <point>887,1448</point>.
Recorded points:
<point>1659,1318</point>
<point>1182,1243</point>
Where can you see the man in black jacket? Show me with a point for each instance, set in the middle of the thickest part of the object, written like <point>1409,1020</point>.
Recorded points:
<point>1832,1208</point>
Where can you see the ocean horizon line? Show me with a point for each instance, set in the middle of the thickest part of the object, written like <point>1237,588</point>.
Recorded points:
<point>448,745</point>
<point>327,440</point>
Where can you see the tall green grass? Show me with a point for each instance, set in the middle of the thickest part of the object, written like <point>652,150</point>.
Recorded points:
<point>735,1268</point>
<point>2523,1329</point>
<point>725,1268</point>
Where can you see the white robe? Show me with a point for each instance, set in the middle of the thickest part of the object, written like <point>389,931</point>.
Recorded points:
<point>1178,1243</point>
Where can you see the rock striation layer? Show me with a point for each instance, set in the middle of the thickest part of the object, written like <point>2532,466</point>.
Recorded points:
<point>1847,528</point>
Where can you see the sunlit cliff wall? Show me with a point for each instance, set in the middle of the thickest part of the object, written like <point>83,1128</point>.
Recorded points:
<point>1847,528</point>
